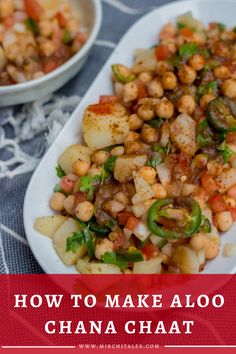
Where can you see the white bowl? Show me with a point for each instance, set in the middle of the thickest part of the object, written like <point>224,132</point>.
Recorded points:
<point>142,35</point>
<point>91,11</point>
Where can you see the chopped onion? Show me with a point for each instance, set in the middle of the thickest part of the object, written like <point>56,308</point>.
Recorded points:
<point>229,250</point>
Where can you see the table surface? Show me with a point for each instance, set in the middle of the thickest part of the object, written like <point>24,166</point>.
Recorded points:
<point>15,254</point>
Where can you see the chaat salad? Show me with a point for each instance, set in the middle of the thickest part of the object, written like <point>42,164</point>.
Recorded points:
<point>155,182</point>
<point>36,37</point>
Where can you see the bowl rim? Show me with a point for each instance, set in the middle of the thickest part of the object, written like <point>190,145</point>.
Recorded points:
<point>69,63</point>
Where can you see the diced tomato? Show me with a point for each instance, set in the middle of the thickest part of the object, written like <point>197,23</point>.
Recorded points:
<point>208,183</point>
<point>33,9</point>
<point>80,197</point>
<point>233,212</point>
<point>232,191</point>
<point>132,223</point>
<point>142,90</point>
<point>67,184</point>
<point>50,65</point>
<point>186,32</point>
<point>61,19</point>
<point>217,203</point>
<point>162,52</point>
<point>148,250</point>
<point>212,25</point>
<point>81,37</point>
<point>231,138</point>
<point>123,217</point>
<point>108,99</point>
<point>9,22</point>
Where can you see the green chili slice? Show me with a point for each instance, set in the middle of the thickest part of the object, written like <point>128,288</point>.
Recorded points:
<point>221,113</point>
<point>155,213</point>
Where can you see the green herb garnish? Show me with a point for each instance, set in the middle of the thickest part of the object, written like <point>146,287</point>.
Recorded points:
<point>226,152</point>
<point>203,89</point>
<point>110,164</point>
<point>115,259</point>
<point>60,172</point>
<point>187,50</point>
<point>66,37</point>
<point>221,27</point>
<point>32,26</point>
<point>154,162</point>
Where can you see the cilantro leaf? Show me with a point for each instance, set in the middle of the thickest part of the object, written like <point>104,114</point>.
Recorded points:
<point>57,188</point>
<point>32,26</point>
<point>110,164</point>
<point>203,89</point>
<point>225,150</point>
<point>115,259</point>
<point>187,50</point>
<point>80,238</point>
<point>154,162</point>
<point>221,27</point>
<point>60,172</point>
<point>87,184</point>
<point>181,25</point>
<point>75,241</point>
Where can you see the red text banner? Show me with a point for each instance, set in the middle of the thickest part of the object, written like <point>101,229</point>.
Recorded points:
<point>118,310</point>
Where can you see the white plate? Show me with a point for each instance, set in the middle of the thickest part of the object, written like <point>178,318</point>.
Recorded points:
<point>142,35</point>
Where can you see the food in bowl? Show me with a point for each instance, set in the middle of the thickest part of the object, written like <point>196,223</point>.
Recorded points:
<point>36,37</point>
<point>155,183</point>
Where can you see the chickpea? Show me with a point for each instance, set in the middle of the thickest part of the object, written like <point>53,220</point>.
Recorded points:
<point>47,48</point>
<point>132,136</point>
<point>148,134</point>
<point>159,191</point>
<point>80,167</point>
<point>212,249</point>
<point>148,173</point>
<point>69,204</point>
<point>205,99</point>
<point>133,147</point>
<point>186,104</point>
<point>162,67</point>
<point>119,89</point>
<point>104,245</point>
<point>57,201</point>
<point>169,80</point>
<point>165,109</point>
<point>130,92</point>
<point>100,157</point>
<point>145,77</point>
<point>197,62</point>
<point>6,8</point>
<point>135,122</point>
<point>187,74</point>
<point>118,151</point>
<point>122,198</point>
<point>224,220</point>
<point>45,28</point>
<point>199,241</point>
<point>221,72</point>
<point>231,202</point>
<point>38,75</point>
<point>94,170</point>
<point>155,89</point>
<point>201,161</point>
<point>214,168</point>
<point>84,211</point>
<point>229,88</point>
<point>146,112</point>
